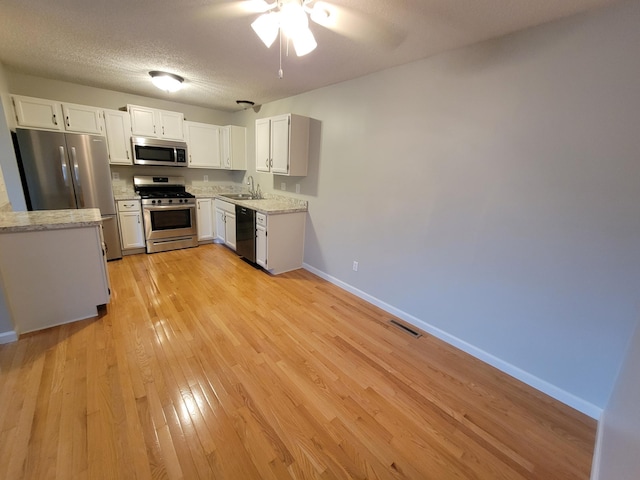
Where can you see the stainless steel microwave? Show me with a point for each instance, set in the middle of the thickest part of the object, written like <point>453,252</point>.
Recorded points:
<point>152,151</point>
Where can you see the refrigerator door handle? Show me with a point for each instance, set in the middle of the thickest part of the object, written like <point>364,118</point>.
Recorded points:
<point>63,163</point>
<point>76,177</point>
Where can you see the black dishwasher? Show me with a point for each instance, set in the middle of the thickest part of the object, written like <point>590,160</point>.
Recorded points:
<point>246,233</point>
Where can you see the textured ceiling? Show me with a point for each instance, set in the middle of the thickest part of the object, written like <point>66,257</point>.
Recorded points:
<point>113,44</point>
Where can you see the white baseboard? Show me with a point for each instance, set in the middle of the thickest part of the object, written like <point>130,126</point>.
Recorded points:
<point>553,391</point>
<point>8,337</point>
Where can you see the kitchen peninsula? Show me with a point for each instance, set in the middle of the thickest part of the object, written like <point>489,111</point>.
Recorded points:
<point>53,266</point>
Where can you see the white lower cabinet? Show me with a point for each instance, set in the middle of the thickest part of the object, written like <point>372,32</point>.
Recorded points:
<point>280,241</point>
<point>261,239</point>
<point>204,219</point>
<point>226,223</point>
<point>131,226</point>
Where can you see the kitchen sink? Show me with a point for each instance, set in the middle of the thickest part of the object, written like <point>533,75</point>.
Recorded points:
<point>238,196</point>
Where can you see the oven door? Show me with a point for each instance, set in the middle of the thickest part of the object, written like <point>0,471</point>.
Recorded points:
<point>168,221</point>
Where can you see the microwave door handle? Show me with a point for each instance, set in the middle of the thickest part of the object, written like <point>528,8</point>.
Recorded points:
<point>76,176</point>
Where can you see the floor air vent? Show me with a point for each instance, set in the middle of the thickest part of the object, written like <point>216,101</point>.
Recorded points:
<point>405,329</point>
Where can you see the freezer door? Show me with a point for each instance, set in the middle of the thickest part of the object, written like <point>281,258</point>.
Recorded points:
<point>89,163</point>
<point>46,169</point>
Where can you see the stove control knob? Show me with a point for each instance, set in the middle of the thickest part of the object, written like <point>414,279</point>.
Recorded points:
<point>153,201</point>
<point>170,201</point>
<point>159,201</point>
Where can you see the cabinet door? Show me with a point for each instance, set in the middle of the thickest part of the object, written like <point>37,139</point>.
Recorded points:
<point>225,147</point>
<point>205,223</point>
<point>82,119</point>
<point>171,125</point>
<point>263,145</point>
<point>230,222</point>
<point>261,246</point>
<point>220,226</point>
<point>131,230</point>
<point>233,147</point>
<point>203,144</point>
<point>38,113</point>
<point>143,121</point>
<point>118,128</point>
<point>280,144</point>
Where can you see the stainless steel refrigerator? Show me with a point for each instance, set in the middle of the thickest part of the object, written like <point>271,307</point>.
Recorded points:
<point>69,170</point>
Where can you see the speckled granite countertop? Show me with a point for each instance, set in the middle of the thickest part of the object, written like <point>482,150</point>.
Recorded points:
<point>271,204</point>
<point>11,222</point>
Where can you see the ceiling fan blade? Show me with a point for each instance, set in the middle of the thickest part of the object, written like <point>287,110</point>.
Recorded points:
<point>357,25</point>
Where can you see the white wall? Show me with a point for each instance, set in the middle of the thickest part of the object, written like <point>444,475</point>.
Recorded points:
<point>619,429</point>
<point>492,196</point>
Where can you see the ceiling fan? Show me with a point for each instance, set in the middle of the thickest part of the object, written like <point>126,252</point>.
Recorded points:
<point>291,18</point>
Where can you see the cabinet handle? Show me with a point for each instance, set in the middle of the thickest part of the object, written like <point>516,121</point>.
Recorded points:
<point>55,120</point>
<point>138,218</point>
<point>127,154</point>
<point>154,129</point>
<point>266,163</point>
<point>271,163</point>
<point>163,129</point>
<point>68,124</point>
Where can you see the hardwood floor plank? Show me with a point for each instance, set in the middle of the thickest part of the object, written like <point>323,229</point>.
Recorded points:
<point>203,367</point>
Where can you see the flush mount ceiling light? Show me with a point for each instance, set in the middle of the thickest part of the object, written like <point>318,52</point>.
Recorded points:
<point>166,81</point>
<point>291,18</point>
<point>245,103</point>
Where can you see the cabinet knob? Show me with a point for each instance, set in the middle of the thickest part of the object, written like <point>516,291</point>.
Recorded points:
<point>68,124</point>
<point>55,120</point>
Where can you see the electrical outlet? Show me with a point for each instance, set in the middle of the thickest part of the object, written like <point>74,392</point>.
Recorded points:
<point>297,188</point>
<point>355,266</point>
<point>206,178</point>
<point>283,186</point>
<point>115,175</point>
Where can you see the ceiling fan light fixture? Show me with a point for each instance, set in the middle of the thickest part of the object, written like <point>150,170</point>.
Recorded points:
<point>304,42</point>
<point>321,14</point>
<point>266,27</point>
<point>168,82</point>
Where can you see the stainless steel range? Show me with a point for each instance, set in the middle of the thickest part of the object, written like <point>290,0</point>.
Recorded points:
<point>169,213</point>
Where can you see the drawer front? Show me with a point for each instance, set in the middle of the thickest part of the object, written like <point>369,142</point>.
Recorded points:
<point>261,219</point>
<point>129,206</point>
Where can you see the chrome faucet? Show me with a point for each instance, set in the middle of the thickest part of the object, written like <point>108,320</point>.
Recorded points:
<point>252,191</point>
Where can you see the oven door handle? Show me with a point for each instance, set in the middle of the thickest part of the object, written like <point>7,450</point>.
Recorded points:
<point>176,206</point>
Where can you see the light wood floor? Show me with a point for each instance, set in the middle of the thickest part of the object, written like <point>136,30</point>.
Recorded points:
<point>204,368</point>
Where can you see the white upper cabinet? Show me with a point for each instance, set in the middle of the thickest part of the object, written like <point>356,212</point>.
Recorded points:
<point>263,145</point>
<point>51,115</point>
<point>82,118</point>
<point>38,113</point>
<point>282,145</point>
<point>171,125</point>
<point>143,121</point>
<point>203,141</point>
<point>118,129</point>
<point>150,122</point>
<point>233,147</point>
